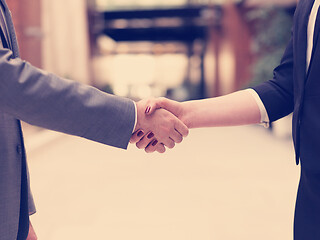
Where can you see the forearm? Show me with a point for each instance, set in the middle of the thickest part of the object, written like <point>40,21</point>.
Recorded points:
<point>239,108</point>
<point>48,101</point>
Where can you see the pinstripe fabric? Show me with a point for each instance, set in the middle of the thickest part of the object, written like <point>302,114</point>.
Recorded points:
<point>46,100</point>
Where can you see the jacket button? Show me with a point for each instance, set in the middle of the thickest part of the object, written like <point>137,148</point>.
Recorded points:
<point>19,149</point>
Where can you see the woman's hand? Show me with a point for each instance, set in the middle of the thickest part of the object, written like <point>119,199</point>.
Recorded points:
<point>174,107</point>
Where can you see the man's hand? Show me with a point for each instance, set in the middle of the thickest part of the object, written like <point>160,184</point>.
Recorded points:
<point>154,131</point>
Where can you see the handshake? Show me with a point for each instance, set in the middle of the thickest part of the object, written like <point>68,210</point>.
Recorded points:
<point>160,124</point>
<point>163,123</point>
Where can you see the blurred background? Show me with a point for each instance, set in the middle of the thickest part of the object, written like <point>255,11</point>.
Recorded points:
<point>222,183</point>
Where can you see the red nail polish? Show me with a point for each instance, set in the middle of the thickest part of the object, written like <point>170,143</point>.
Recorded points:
<point>148,109</point>
<point>140,133</point>
<point>151,135</point>
<point>155,143</point>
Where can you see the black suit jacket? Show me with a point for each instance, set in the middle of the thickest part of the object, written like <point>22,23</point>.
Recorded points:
<point>293,89</point>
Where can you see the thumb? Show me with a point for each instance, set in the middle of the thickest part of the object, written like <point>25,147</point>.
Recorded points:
<point>164,103</point>
<point>152,106</point>
<point>156,103</point>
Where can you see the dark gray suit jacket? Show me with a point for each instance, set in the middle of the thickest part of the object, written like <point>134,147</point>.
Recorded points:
<point>46,100</point>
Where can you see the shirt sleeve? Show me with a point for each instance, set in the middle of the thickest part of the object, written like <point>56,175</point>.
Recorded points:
<point>136,117</point>
<point>277,94</point>
<point>263,112</point>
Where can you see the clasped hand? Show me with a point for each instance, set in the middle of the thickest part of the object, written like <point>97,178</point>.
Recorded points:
<point>158,125</point>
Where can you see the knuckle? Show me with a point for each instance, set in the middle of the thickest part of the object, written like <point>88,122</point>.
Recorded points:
<point>133,139</point>
<point>171,145</point>
<point>139,145</point>
<point>166,117</point>
<point>151,150</point>
<point>186,133</point>
<point>161,99</point>
<point>150,100</point>
<point>170,123</point>
<point>161,149</point>
<point>180,140</point>
<point>164,131</point>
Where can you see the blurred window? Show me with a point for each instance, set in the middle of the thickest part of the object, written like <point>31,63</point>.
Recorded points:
<point>115,4</point>
<point>134,4</point>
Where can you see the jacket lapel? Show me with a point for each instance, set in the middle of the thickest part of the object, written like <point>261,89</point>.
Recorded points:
<point>302,20</point>
<point>4,32</point>
<point>315,41</point>
<point>316,31</point>
<point>12,34</point>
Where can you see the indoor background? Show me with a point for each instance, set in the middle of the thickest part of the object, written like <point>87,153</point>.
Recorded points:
<point>220,183</point>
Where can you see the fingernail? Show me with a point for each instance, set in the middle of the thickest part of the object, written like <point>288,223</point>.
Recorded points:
<point>151,135</point>
<point>155,143</point>
<point>148,109</point>
<point>140,133</point>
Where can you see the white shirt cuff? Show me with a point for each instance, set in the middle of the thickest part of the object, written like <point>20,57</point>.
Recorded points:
<point>263,112</point>
<point>136,118</point>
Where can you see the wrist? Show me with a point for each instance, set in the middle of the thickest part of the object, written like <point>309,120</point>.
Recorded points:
<point>186,114</point>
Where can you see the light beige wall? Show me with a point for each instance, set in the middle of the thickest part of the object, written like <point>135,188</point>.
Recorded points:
<point>65,43</point>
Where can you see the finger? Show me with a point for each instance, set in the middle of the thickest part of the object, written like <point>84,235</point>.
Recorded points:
<point>137,136</point>
<point>169,143</point>
<point>144,142</point>
<point>152,147</point>
<point>161,148</point>
<point>181,128</point>
<point>176,137</point>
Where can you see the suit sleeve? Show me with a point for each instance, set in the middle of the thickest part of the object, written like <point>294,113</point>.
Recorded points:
<point>48,101</point>
<point>277,94</point>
